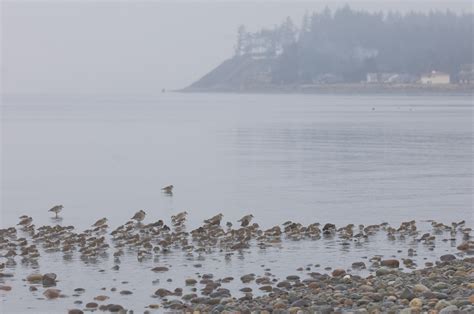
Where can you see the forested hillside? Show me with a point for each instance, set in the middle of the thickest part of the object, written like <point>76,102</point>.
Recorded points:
<point>344,45</point>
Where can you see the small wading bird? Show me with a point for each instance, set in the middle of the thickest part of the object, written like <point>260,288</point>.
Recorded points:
<point>168,189</point>
<point>56,209</point>
<point>25,221</point>
<point>216,220</point>
<point>245,221</point>
<point>139,216</point>
<point>100,222</point>
<point>179,218</point>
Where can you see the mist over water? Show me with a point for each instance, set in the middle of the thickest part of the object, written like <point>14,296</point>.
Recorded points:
<point>306,158</point>
<point>343,159</point>
<point>89,121</point>
<point>140,47</point>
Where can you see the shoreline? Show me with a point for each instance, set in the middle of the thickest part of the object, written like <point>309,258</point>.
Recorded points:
<point>447,287</point>
<point>409,89</point>
<point>394,283</point>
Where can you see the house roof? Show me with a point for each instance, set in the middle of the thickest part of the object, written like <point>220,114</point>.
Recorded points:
<point>435,73</point>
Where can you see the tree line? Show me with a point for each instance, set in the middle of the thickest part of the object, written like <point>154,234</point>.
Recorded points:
<point>346,44</point>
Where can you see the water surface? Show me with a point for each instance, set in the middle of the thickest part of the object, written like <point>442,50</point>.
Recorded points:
<point>309,157</point>
<point>341,159</point>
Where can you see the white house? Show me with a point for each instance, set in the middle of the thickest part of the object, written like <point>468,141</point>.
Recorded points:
<point>435,77</point>
<point>372,78</point>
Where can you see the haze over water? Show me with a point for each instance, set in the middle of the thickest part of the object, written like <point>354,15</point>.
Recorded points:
<point>341,159</point>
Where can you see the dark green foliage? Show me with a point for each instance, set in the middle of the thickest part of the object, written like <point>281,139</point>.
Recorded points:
<point>346,44</point>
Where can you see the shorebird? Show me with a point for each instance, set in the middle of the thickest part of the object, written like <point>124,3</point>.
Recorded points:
<point>168,189</point>
<point>25,221</point>
<point>179,218</point>
<point>216,220</point>
<point>245,221</point>
<point>100,222</point>
<point>56,209</point>
<point>139,216</point>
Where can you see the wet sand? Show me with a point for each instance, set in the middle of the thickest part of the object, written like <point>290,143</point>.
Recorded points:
<point>236,266</point>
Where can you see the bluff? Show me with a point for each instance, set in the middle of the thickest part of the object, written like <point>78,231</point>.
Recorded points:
<point>236,74</point>
<point>348,47</point>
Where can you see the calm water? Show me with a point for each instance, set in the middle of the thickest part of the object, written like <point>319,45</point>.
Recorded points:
<point>359,159</point>
<point>306,157</point>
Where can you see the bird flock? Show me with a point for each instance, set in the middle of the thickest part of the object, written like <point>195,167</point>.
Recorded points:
<point>149,239</point>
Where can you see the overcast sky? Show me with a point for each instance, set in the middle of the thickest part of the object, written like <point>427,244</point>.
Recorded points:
<point>111,47</point>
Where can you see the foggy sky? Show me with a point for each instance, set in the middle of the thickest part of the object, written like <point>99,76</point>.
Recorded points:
<point>111,47</point>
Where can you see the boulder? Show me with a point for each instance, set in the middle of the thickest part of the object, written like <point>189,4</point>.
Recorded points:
<point>52,293</point>
<point>392,263</point>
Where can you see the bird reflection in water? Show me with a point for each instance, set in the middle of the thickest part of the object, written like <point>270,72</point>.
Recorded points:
<point>168,190</point>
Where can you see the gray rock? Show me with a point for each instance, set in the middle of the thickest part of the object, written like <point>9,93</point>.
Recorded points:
<point>358,265</point>
<point>383,271</point>
<point>49,279</point>
<point>407,294</point>
<point>114,308</point>
<point>300,303</point>
<point>440,286</point>
<point>447,258</point>
<point>451,309</point>
<point>218,308</point>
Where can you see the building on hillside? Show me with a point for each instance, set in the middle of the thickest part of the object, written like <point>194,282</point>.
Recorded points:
<point>260,47</point>
<point>466,75</point>
<point>372,78</point>
<point>328,78</point>
<point>435,77</point>
<point>390,78</point>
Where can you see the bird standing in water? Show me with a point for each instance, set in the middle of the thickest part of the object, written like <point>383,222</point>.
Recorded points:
<point>168,189</point>
<point>216,220</point>
<point>139,216</point>
<point>26,221</point>
<point>100,222</point>
<point>245,221</point>
<point>56,209</point>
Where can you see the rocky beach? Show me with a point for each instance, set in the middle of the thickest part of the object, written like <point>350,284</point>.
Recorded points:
<point>238,157</point>
<point>403,282</point>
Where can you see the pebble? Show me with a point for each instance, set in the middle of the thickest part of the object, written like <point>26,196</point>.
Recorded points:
<point>450,309</point>
<point>392,263</point>
<point>383,271</point>
<point>49,279</point>
<point>163,292</point>
<point>416,303</point>
<point>247,278</point>
<point>101,298</point>
<point>91,305</point>
<point>190,282</point>
<point>52,293</point>
<point>33,278</point>
<point>160,269</point>
<point>447,258</point>
<point>358,265</point>
<point>5,288</point>
<point>154,306</point>
<point>338,272</point>
<point>419,288</point>
<point>441,304</point>
<point>407,294</point>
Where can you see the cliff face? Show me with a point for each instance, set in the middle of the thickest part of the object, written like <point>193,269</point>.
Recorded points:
<point>238,73</point>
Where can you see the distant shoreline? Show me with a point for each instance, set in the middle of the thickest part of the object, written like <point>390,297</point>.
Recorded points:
<point>357,88</point>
